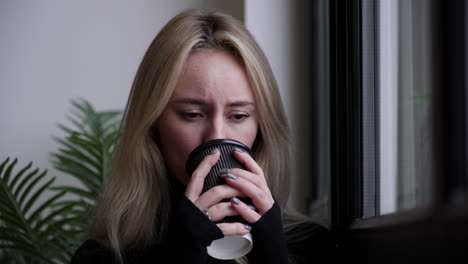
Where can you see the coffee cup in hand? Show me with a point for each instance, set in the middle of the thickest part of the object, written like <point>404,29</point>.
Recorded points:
<point>228,247</point>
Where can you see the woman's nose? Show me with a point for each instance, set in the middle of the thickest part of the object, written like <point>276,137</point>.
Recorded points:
<point>216,130</point>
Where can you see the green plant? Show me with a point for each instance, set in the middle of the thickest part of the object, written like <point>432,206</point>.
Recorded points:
<point>86,150</point>
<point>38,231</point>
<point>45,223</point>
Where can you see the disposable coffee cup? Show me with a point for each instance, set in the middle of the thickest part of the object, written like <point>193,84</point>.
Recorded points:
<point>228,247</point>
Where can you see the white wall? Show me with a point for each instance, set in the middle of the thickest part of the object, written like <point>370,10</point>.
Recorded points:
<point>279,27</point>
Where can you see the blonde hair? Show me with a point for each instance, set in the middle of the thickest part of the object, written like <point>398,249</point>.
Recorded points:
<point>135,204</point>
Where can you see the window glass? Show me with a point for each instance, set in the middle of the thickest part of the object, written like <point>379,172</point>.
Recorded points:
<point>405,105</point>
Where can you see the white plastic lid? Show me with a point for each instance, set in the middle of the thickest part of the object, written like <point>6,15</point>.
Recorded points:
<point>230,247</point>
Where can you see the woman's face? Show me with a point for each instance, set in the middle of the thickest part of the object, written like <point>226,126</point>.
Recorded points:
<point>213,99</point>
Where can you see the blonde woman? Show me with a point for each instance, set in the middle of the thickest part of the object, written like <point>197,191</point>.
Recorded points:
<point>202,78</point>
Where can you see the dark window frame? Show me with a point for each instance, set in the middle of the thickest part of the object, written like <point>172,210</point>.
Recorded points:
<point>433,234</point>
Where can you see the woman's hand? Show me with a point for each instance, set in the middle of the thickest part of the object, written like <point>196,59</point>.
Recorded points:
<point>252,183</point>
<point>210,201</point>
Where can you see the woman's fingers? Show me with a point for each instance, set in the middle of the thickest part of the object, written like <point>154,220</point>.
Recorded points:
<point>257,180</point>
<point>249,163</point>
<point>245,211</point>
<point>219,211</point>
<point>195,185</point>
<point>235,207</point>
<point>261,196</point>
<point>230,229</point>
<point>216,195</point>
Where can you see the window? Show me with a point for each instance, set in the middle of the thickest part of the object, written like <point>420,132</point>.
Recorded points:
<point>398,117</point>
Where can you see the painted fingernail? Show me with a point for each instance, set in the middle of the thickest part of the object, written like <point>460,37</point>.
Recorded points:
<point>231,176</point>
<point>213,151</point>
<point>235,200</point>
<point>223,171</point>
<point>252,207</point>
<point>238,150</point>
<point>248,227</point>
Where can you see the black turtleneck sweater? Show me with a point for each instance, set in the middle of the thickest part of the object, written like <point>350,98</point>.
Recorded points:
<point>190,232</point>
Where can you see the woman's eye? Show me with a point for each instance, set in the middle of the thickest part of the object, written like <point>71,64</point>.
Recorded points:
<point>192,115</point>
<point>239,117</point>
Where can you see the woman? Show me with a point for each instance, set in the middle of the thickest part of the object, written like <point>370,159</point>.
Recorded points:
<point>203,77</point>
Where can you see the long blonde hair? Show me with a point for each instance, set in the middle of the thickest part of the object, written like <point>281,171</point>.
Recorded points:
<point>135,204</point>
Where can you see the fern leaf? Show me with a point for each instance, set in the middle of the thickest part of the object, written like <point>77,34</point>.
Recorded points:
<point>23,182</point>
<point>17,230</point>
<point>49,219</point>
<point>33,198</point>
<point>19,175</point>
<point>48,203</point>
<point>30,186</point>
<point>75,190</point>
<point>8,171</point>
<point>83,148</point>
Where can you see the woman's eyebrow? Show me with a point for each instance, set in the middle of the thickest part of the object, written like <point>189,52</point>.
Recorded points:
<point>240,103</point>
<point>190,101</point>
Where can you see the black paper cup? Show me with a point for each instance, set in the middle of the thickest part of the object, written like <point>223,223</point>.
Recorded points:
<point>229,247</point>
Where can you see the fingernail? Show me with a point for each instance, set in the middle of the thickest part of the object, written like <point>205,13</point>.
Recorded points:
<point>238,150</point>
<point>248,227</point>
<point>231,176</point>
<point>252,207</point>
<point>223,171</point>
<point>235,200</point>
<point>213,151</point>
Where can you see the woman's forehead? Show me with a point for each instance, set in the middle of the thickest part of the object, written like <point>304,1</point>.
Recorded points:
<point>214,74</point>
